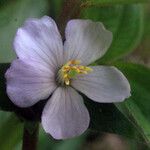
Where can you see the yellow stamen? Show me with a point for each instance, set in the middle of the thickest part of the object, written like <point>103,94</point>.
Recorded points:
<point>65,76</point>
<point>71,69</point>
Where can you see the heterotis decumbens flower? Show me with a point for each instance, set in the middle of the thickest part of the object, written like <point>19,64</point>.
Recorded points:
<point>47,66</point>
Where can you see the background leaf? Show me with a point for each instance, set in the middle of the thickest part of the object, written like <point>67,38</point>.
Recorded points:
<point>46,142</point>
<point>126,24</point>
<point>10,131</point>
<point>137,107</point>
<point>12,16</point>
<point>107,118</point>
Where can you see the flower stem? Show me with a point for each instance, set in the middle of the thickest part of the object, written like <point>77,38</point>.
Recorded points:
<point>30,136</point>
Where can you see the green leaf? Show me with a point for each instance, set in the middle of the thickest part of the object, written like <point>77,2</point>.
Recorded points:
<point>87,3</point>
<point>46,142</point>
<point>12,16</point>
<point>107,118</point>
<point>10,131</point>
<point>55,8</point>
<point>126,24</point>
<point>70,144</point>
<point>137,107</point>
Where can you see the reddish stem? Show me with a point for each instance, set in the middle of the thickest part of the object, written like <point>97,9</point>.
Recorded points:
<point>30,137</point>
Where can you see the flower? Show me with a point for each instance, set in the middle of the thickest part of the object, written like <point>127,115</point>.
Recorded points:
<point>45,66</point>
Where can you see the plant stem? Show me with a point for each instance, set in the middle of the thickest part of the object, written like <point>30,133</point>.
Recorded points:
<point>30,136</point>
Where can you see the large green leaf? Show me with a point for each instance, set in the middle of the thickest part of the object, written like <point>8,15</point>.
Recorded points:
<point>10,131</point>
<point>137,107</point>
<point>12,16</point>
<point>126,24</point>
<point>107,118</point>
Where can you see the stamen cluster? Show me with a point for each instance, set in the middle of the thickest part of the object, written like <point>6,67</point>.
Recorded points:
<point>71,69</point>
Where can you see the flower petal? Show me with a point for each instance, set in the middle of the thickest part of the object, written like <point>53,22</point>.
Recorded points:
<point>39,39</point>
<point>103,84</point>
<point>86,40</point>
<point>28,82</point>
<point>65,114</point>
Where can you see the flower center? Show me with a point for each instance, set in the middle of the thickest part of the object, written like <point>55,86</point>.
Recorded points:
<point>70,70</point>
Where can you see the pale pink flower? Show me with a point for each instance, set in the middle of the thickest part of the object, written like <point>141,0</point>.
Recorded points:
<point>47,66</point>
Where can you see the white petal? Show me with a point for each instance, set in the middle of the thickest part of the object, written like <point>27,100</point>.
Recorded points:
<point>40,40</point>
<point>65,114</point>
<point>103,84</point>
<point>86,40</point>
<point>28,82</point>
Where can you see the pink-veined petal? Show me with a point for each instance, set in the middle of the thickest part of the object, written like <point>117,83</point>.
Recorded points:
<point>29,82</point>
<point>104,84</point>
<point>40,40</point>
<point>65,114</point>
<point>86,40</point>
